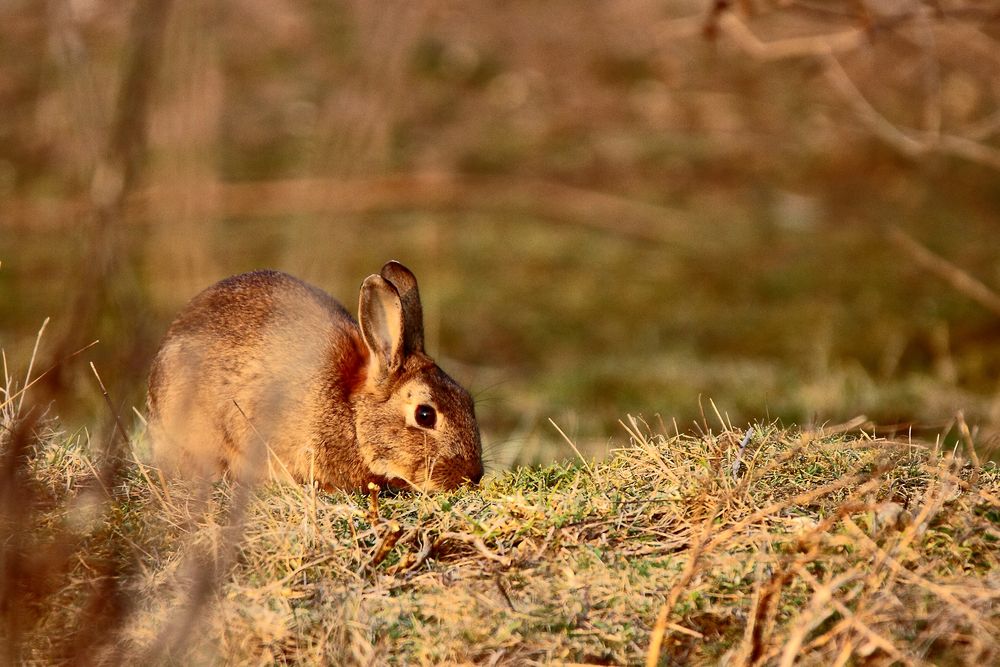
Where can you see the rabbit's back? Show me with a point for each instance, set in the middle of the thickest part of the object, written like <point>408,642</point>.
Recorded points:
<point>246,369</point>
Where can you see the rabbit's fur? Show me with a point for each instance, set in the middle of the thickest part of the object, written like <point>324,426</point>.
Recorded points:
<point>262,374</point>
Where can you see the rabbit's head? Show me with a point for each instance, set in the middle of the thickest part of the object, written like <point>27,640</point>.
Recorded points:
<point>415,425</point>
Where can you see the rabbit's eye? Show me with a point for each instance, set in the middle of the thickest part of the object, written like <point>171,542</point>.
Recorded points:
<point>425,416</point>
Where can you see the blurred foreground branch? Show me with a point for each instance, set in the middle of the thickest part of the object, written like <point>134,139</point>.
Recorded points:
<point>115,175</point>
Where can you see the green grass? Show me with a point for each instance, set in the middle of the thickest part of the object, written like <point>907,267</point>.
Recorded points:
<point>827,546</point>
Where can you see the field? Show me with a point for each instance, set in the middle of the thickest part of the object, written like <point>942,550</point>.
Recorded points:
<point>710,216</point>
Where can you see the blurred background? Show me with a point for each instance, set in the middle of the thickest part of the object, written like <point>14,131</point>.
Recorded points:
<point>787,208</point>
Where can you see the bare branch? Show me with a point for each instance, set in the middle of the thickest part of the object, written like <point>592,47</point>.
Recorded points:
<point>792,47</point>
<point>825,48</point>
<point>946,144</point>
<point>984,128</point>
<point>588,208</point>
<point>971,150</point>
<point>946,271</point>
<point>876,122</point>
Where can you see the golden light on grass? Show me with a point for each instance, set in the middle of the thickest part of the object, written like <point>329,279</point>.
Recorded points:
<point>827,547</point>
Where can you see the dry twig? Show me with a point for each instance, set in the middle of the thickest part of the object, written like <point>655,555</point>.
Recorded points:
<point>959,279</point>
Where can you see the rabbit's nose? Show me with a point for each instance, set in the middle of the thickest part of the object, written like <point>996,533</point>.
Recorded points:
<point>477,475</point>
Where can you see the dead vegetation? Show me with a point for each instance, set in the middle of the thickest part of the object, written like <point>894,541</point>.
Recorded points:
<point>811,547</point>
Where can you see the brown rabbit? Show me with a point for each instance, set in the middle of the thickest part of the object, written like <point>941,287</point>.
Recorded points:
<point>262,374</point>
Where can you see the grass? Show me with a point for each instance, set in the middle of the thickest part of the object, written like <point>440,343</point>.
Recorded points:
<point>824,547</point>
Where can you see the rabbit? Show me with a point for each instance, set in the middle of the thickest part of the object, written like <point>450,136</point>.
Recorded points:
<point>262,375</point>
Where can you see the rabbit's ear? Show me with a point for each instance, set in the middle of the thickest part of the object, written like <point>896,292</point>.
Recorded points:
<point>380,314</point>
<point>409,296</point>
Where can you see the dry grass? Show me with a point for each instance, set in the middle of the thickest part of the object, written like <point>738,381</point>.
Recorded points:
<point>823,548</point>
